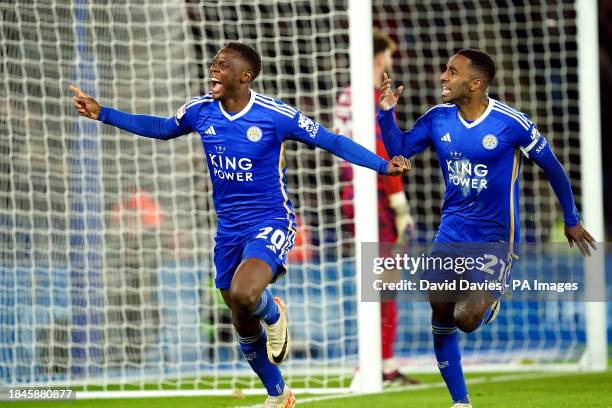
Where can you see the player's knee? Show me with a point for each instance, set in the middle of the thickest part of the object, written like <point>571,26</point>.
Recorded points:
<point>442,312</point>
<point>244,298</point>
<point>466,321</point>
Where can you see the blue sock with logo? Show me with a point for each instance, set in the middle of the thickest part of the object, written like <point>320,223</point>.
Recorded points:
<point>446,347</point>
<point>267,309</point>
<point>254,349</point>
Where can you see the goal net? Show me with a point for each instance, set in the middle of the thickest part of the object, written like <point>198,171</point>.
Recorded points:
<point>534,45</point>
<point>106,274</point>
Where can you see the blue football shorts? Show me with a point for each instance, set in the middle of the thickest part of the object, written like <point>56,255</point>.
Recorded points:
<point>481,266</point>
<point>269,241</point>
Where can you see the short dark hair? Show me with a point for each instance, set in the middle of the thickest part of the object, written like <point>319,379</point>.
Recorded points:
<point>249,53</point>
<point>481,62</point>
<point>382,42</point>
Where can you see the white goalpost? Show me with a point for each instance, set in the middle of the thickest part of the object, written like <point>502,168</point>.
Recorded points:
<point>106,273</point>
<point>596,354</point>
<point>367,378</point>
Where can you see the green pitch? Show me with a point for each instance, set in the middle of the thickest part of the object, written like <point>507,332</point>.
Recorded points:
<point>537,390</point>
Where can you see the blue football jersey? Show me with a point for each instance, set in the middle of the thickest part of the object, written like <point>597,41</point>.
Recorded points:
<point>480,161</point>
<point>245,155</point>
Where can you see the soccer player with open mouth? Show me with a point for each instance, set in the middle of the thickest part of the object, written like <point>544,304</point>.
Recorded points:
<point>243,134</point>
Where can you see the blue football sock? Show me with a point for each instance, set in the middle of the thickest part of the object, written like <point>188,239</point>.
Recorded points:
<point>267,309</point>
<point>254,349</point>
<point>446,346</point>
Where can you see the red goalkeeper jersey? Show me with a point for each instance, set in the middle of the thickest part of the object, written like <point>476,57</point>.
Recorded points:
<point>387,231</point>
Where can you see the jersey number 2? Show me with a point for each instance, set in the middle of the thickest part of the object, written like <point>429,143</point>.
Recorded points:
<point>277,239</point>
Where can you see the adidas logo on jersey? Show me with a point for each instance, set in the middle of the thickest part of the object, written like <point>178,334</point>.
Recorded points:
<point>210,131</point>
<point>446,138</point>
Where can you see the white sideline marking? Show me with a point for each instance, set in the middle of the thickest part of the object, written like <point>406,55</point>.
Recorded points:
<point>418,387</point>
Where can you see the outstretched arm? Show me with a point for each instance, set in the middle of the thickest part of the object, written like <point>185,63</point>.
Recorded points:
<point>349,150</point>
<point>143,125</point>
<point>303,129</point>
<point>575,233</point>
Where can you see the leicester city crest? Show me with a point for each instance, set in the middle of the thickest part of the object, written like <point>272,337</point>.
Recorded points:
<point>254,134</point>
<point>489,142</point>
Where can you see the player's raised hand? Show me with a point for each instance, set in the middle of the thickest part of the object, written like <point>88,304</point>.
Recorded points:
<point>388,97</point>
<point>398,165</point>
<point>84,104</point>
<point>581,237</point>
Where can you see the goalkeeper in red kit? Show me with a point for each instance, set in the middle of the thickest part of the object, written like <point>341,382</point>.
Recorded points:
<point>395,224</point>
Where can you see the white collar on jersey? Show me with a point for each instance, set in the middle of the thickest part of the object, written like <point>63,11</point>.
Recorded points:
<point>480,119</point>
<point>242,112</point>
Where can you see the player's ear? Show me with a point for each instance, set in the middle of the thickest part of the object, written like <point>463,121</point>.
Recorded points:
<point>477,84</point>
<point>247,76</point>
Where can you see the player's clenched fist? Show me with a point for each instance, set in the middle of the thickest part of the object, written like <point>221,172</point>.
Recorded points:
<point>398,165</point>
<point>84,104</point>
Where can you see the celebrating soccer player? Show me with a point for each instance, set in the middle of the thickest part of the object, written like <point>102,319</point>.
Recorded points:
<point>478,141</point>
<point>243,133</point>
